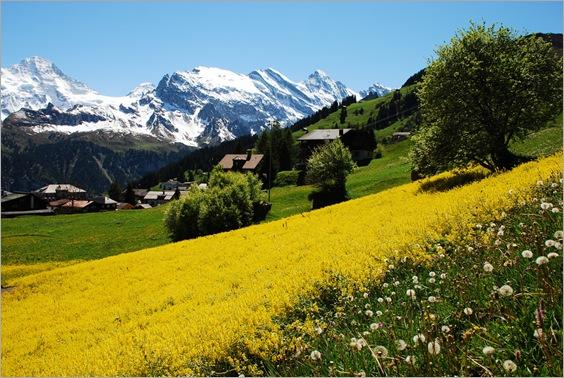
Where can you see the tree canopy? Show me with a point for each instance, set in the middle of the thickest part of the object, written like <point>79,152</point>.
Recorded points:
<point>485,88</point>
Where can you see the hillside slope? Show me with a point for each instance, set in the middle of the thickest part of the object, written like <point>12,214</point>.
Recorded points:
<point>178,309</point>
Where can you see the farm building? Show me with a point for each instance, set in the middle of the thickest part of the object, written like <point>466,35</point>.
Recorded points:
<point>14,204</point>
<point>173,184</point>
<point>248,162</point>
<point>156,198</point>
<point>58,191</point>
<point>361,143</point>
<point>104,203</point>
<point>77,206</point>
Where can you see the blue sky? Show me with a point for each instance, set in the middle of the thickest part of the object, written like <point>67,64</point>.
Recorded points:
<point>112,47</point>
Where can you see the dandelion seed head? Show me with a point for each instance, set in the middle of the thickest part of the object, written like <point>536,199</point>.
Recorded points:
<point>315,355</point>
<point>538,333</point>
<point>488,268</point>
<point>509,366</point>
<point>380,300</point>
<point>380,351</point>
<point>541,260</point>
<point>488,350</point>
<point>400,344</point>
<point>434,347</point>
<point>468,311</point>
<point>445,329</point>
<point>552,255</point>
<point>505,291</point>
<point>419,338</point>
<point>527,254</point>
<point>369,313</point>
<point>410,293</point>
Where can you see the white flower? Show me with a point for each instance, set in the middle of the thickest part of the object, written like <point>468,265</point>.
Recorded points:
<point>443,276</point>
<point>527,254</point>
<point>380,351</point>
<point>391,266</point>
<point>432,299</point>
<point>378,313</point>
<point>558,235</point>
<point>541,260</point>
<point>388,299</point>
<point>558,245</point>
<point>509,366</point>
<point>552,255</point>
<point>540,183</point>
<point>319,330</point>
<point>315,355</point>
<point>385,285</point>
<point>445,329</point>
<point>415,279</point>
<point>468,311</point>
<point>380,300</point>
<point>488,267</point>
<point>505,291</point>
<point>432,274</point>
<point>400,344</point>
<point>488,350</point>
<point>396,283</point>
<point>418,287</point>
<point>538,333</point>
<point>434,347</point>
<point>410,293</point>
<point>365,295</point>
<point>500,233</point>
<point>365,333</point>
<point>549,243</point>
<point>375,326</point>
<point>419,338</point>
<point>369,313</point>
<point>410,360</point>
<point>555,210</point>
<point>545,205</point>
<point>431,280</point>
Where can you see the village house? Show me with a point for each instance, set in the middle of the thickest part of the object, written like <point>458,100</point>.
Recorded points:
<point>102,203</point>
<point>54,192</point>
<point>248,162</point>
<point>76,206</point>
<point>14,204</point>
<point>173,184</point>
<point>156,198</point>
<point>360,144</point>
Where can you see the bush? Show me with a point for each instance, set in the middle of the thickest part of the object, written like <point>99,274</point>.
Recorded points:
<point>232,200</point>
<point>285,178</point>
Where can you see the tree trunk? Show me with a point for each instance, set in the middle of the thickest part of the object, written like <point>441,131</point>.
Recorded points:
<point>503,158</point>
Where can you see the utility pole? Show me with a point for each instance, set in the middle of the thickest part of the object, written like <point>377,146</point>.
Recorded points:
<point>270,159</point>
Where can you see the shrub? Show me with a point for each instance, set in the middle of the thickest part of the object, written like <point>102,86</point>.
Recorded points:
<point>230,202</point>
<point>285,178</point>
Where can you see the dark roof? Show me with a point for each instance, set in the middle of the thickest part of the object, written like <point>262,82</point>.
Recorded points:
<point>324,134</point>
<point>102,200</point>
<point>27,212</point>
<point>252,163</point>
<point>14,196</point>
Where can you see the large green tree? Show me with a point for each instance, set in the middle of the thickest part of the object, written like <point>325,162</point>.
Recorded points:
<point>485,88</point>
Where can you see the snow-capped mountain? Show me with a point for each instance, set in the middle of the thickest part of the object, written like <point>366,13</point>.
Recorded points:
<point>375,89</point>
<point>203,106</point>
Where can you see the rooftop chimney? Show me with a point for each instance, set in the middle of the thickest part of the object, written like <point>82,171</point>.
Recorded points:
<point>341,132</point>
<point>249,153</point>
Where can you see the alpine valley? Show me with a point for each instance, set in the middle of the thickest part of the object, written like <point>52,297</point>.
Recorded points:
<point>57,129</point>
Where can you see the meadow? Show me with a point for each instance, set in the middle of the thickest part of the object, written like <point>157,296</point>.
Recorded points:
<point>187,308</point>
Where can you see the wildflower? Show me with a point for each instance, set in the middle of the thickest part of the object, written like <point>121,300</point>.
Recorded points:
<point>432,299</point>
<point>527,254</point>
<point>385,285</point>
<point>555,210</point>
<point>365,333</point>
<point>415,279</point>
<point>509,366</point>
<point>396,283</point>
<point>479,227</point>
<point>538,333</point>
<point>380,300</point>
<point>434,347</point>
<point>418,287</point>
<point>445,329</point>
<point>431,280</point>
<point>369,313</point>
<point>410,360</point>
<point>497,242</point>
<point>443,276</point>
<point>558,245</point>
<point>488,350</point>
<point>400,344</point>
<point>388,299</point>
<point>418,338</point>
<point>558,235</point>
<point>488,267</point>
<point>365,295</point>
<point>410,293</point>
<point>433,317</point>
<point>380,351</point>
<point>376,326</point>
<point>549,243</point>
<point>510,191</point>
<point>315,355</point>
<point>500,233</point>
<point>540,183</point>
<point>318,330</point>
<point>552,255</point>
<point>468,311</point>
<point>378,313</point>
<point>505,291</point>
<point>432,274</point>
<point>545,205</point>
<point>360,374</point>
<point>541,260</point>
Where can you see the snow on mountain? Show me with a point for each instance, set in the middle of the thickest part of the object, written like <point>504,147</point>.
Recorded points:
<point>375,88</point>
<point>198,107</point>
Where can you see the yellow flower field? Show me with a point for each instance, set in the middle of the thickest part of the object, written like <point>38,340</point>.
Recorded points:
<point>177,308</point>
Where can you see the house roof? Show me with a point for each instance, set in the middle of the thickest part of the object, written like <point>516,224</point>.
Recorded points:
<point>324,134</point>
<point>252,163</point>
<point>53,188</point>
<point>13,196</point>
<point>102,200</point>
<point>124,206</point>
<point>59,202</point>
<point>139,192</point>
<point>143,206</point>
<point>77,204</point>
<point>162,194</point>
<point>401,133</point>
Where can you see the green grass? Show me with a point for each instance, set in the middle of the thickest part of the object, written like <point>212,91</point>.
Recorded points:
<point>543,142</point>
<point>35,239</point>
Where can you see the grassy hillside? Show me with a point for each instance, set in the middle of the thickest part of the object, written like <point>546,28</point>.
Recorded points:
<point>188,307</point>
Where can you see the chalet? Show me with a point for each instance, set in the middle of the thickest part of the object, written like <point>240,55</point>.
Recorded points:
<point>173,184</point>
<point>124,206</point>
<point>58,191</point>
<point>360,143</point>
<point>248,162</point>
<point>103,203</point>
<point>77,206</point>
<point>155,198</point>
<point>14,204</point>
